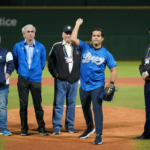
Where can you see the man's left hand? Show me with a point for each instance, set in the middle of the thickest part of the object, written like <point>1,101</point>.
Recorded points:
<point>7,76</point>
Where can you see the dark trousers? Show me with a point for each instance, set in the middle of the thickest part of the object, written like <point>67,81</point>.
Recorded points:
<point>147,109</point>
<point>23,89</point>
<point>86,98</point>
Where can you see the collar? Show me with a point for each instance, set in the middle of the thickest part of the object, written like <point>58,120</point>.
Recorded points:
<point>96,48</point>
<point>33,44</point>
<point>64,43</point>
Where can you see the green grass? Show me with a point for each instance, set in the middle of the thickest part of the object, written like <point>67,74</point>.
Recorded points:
<point>142,145</point>
<point>47,97</point>
<point>124,69</point>
<point>127,96</point>
<point>2,146</point>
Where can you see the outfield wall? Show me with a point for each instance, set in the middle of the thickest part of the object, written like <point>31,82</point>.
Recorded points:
<point>126,28</point>
<point>74,3</point>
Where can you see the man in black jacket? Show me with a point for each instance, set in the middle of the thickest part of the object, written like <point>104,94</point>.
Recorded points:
<point>145,73</point>
<point>64,65</point>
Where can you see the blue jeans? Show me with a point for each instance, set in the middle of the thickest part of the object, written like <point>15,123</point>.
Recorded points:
<point>86,98</point>
<point>3,108</point>
<point>64,89</point>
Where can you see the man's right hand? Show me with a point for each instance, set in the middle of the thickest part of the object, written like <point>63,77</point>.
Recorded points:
<point>144,76</point>
<point>79,21</point>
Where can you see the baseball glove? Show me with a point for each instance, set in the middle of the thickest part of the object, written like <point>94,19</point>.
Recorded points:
<point>108,93</point>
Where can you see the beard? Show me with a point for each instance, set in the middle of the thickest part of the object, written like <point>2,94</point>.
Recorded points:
<point>96,45</point>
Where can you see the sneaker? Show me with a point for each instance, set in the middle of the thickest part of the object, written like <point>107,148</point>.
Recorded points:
<point>24,133</point>
<point>56,131</point>
<point>5,132</point>
<point>86,133</point>
<point>72,130</point>
<point>98,139</point>
<point>43,132</point>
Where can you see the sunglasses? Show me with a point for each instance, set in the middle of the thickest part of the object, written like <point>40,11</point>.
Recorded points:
<point>68,32</point>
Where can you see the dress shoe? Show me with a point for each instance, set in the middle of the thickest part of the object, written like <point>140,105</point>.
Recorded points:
<point>43,132</point>
<point>141,138</point>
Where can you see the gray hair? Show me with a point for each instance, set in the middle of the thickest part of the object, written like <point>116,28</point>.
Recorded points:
<point>28,26</point>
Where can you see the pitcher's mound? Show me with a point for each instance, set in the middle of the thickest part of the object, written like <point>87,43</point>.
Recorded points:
<point>120,125</point>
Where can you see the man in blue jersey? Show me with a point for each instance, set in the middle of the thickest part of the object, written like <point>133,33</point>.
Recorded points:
<point>6,68</point>
<point>94,59</point>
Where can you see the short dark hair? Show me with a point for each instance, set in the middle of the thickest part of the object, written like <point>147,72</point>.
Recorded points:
<point>99,29</point>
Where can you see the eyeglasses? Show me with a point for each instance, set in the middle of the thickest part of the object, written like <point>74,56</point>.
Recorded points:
<point>30,31</point>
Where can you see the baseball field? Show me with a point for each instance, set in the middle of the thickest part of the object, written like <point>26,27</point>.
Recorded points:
<point>124,117</point>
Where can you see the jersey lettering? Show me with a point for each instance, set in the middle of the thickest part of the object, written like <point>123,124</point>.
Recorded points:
<point>88,57</point>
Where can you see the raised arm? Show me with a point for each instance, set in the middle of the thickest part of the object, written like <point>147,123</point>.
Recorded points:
<point>74,35</point>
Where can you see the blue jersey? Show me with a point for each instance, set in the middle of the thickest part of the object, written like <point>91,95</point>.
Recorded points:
<point>93,64</point>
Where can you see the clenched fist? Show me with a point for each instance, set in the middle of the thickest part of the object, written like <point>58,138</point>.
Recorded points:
<point>79,21</point>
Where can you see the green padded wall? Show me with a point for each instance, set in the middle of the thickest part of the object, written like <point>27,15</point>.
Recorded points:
<point>126,30</point>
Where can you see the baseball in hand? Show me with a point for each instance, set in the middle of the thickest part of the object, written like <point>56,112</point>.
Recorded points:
<point>79,21</point>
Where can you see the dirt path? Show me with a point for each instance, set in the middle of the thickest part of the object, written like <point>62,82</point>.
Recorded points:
<point>119,81</point>
<point>120,125</point>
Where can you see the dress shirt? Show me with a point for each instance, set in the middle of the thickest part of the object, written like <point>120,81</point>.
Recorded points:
<point>29,50</point>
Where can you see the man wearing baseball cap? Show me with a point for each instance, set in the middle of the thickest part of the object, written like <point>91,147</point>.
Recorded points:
<point>64,65</point>
<point>6,68</point>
